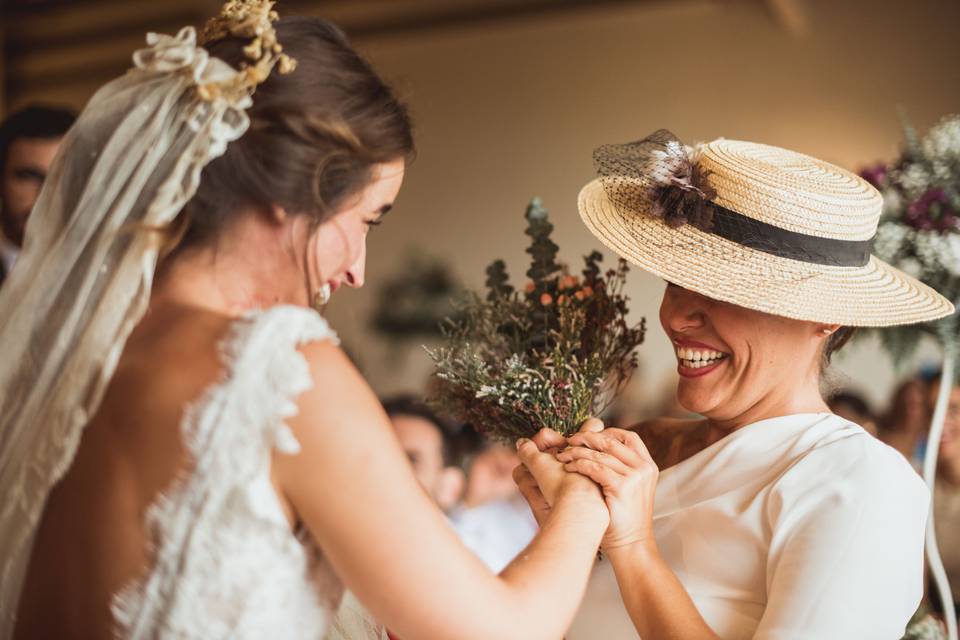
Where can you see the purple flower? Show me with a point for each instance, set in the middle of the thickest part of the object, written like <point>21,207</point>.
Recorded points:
<point>932,211</point>
<point>875,175</point>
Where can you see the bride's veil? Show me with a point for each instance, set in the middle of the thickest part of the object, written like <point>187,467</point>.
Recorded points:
<point>83,280</point>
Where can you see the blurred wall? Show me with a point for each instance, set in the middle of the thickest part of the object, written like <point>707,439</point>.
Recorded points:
<point>508,111</point>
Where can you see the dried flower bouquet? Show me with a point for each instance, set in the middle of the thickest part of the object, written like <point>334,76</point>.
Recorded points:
<point>550,355</point>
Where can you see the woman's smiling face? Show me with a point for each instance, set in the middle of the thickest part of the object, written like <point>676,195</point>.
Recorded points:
<point>735,361</point>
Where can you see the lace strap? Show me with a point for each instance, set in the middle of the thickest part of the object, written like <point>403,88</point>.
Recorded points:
<point>266,371</point>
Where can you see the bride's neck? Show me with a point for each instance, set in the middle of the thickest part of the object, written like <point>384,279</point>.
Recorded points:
<point>245,268</point>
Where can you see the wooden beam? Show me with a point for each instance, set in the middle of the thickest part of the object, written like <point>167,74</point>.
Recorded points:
<point>100,49</point>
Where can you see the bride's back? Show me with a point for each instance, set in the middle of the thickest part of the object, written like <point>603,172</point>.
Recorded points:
<point>92,540</point>
<point>316,141</point>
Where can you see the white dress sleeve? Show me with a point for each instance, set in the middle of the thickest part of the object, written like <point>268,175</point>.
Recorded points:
<point>847,528</point>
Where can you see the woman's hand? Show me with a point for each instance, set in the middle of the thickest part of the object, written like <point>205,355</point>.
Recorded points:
<point>554,482</point>
<point>530,491</point>
<point>551,442</point>
<point>619,462</point>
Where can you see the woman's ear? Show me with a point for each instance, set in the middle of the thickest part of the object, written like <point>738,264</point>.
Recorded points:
<point>827,330</point>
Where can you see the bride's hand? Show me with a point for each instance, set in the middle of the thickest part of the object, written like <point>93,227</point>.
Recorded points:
<point>551,442</point>
<point>530,491</point>
<point>619,462</point>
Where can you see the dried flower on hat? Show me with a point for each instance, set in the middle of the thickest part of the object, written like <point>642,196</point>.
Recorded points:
<point>658,176</point>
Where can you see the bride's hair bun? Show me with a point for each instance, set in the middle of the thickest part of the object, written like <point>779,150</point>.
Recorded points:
<point>314,135</point>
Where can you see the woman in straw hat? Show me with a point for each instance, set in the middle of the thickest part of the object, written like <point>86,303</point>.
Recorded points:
<point>191,455</point>
<point>771,517</point>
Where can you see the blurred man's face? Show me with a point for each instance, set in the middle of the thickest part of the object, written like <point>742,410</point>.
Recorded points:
<point>491,476</point>
<point>950,443</point>
<point>28,161</point>
<point>423,444</point>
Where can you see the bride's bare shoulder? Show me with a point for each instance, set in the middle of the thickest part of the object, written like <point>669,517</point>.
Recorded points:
<point>336,380</point>
<point>667,439</point>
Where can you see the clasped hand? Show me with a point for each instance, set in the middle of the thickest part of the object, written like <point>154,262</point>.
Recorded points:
<point>614,460</point>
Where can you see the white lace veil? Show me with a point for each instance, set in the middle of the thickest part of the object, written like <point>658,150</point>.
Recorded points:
<point>83,280</point>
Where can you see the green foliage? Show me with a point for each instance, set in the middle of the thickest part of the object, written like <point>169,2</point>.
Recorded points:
<point>901,343</point>
<point>591,269</point>
<point>416,301</point>
<point>498,281</point>
<point>550,356</point>
<point>913,149</point>
<point>542,249</point>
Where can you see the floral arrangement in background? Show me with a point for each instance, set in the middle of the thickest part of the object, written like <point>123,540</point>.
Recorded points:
<point>919,231</point>
<point>550,355</point>
<point>924,626</point>
<point>415,301</point>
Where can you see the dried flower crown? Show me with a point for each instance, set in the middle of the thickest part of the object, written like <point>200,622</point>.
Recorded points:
<point>246,19</point>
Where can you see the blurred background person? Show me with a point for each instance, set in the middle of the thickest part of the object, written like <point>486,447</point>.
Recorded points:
<point>489,474</point>
<point>851,406</point>
<point>431,446</point>
<point>493,519</point>
<point>905,423</point>
<point>483,504</point>
<point>29,139</point>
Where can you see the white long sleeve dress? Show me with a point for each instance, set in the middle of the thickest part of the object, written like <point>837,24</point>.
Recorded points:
<point>801,527</point>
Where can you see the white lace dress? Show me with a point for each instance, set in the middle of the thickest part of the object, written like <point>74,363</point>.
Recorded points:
<point>226,564</point>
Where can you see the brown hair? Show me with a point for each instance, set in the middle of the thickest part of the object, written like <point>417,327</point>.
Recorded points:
<point>834,343</point>
<point>315,134</point>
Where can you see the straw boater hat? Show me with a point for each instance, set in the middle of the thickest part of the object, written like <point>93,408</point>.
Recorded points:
<point>753,225</point>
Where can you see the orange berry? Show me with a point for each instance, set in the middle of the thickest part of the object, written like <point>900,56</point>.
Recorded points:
<point>530,287</point>
<point>546,299</point>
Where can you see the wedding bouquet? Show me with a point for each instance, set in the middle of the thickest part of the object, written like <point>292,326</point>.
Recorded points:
<point>551,355</point>
<point>919,232</point>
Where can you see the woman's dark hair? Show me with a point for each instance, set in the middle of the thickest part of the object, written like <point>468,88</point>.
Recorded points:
<point>835,342</point>
<point>852,401</point>
<point>315,134</point>
<point>36,121</point>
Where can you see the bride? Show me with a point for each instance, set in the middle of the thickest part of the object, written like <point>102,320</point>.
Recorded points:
<point>185,452</point>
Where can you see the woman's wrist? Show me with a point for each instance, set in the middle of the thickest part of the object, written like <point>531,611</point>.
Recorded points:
<point>585,507</point>
<point>639,552</point>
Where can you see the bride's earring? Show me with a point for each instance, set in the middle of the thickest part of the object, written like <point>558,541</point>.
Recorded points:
<point>321,297</point>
